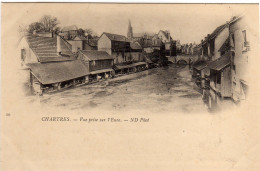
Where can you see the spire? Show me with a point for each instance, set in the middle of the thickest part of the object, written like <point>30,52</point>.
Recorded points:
<point>130,31</point>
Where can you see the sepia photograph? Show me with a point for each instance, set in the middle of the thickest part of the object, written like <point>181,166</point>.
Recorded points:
<point>187,72</point>
<point>176,60</point>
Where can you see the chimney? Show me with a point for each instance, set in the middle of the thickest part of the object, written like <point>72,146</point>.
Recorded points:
<point>58,45</point>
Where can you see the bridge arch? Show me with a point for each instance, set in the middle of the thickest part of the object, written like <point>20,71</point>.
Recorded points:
<point>182,62</point>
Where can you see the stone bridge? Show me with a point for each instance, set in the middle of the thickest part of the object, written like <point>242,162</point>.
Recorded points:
<point>182,59</point>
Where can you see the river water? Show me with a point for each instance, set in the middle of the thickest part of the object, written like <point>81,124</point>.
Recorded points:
<point>165,89</point>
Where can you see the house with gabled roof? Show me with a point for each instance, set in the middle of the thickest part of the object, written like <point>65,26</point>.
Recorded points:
<point>165,36</point>
<point>34,48</point>
<point>115,45</point>
<point>216,39</point>
<point>69,32</point>
<point>49,63</point>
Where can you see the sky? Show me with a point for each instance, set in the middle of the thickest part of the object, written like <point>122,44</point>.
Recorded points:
<point>186,22</point>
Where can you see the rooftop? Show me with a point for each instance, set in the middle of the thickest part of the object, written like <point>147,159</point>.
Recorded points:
<point>220,63</point>
<point>54,72</point>
<point>116,37</point>
<point>45,48</point>
<point>96,55</point>
<point>69,28</point>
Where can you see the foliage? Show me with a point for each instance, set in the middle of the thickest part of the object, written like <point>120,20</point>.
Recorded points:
<point>47,23</point>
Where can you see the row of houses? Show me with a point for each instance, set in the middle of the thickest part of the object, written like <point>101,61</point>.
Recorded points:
<point>58,61</point>
<point>223,61</point>
<point>151,42</point>
<point>189,49</point>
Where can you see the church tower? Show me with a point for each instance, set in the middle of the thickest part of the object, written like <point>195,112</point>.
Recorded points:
<point>130,31</point>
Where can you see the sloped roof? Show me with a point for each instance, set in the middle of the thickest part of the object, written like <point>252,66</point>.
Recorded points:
<point>69,28</point>
<point>45,48</point>
<point>101,71</point>
<point>116,37</point>
<point>135,46</point>
<point>217,31</point>
<point>220,63</point>
<point>201,66</point>
<point>165,34</point>
<point>96,55</point>
<point>54,72</point>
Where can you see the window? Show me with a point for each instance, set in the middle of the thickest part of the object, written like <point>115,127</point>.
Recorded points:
<point>245,43</point>
<point>218,78</point>
<point>244,35</point>
<point>23,55</point>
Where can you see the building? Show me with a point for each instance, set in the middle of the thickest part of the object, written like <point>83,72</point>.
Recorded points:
<point>53,76</point>
<point>240,37</point>
<point>178,47</point>
<point>136,52</point>
<point>36,48</point>
<point>119,47</point>
<point>48,63</point>
<point>78,42</point>
<point>165,36</point>
<point>216,39</point>
<point>69,32</point>
<point>138,36</point>
<point>220,76</point>
<point>99,63</point>
<point>115,45</point>
<point>220,80</point>
<point>91,44</point>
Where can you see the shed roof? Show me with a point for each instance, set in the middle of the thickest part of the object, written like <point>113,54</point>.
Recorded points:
<point>96,55</point>
<point>220,63</point>
<point>201,66</point>
<point>54,72</point>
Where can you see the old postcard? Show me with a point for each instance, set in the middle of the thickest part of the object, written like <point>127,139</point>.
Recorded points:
<point>107,86</point>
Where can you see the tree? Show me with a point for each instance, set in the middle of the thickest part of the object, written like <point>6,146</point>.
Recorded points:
<point>81,32</point>
<point>35,26</point>
<point>49,23</point>
<point>46,24</point>
<point>89,31</point>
